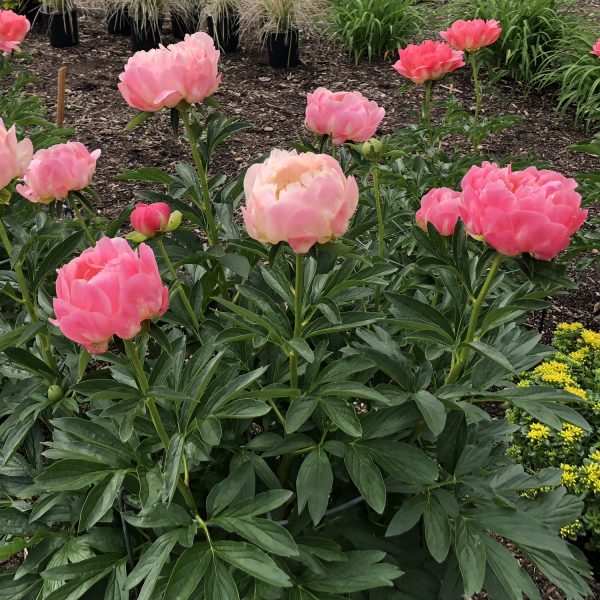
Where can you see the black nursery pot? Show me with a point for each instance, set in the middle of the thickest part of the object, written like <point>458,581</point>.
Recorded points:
<point>226,33</point>
<point>283,49</point>
<point>145,37</point>
<point>181,24</point>
<point>62,28</point>
<point>119,23</point>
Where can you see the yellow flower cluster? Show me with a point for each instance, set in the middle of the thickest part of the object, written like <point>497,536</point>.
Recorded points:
<point>580,355</point>
<point>524,383</point>
<point>575,389</point>
<point>571,531</point>
<point>537,432</point>
<point>591,474</point>
<point>571,433</point>
<point>569,475</point>
<point>554,372</point>
<point>595,455</point>
<point>591,338</point>
<point>569,327</point>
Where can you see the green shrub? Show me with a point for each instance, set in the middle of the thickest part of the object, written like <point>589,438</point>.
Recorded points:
<point>530,31</point>
<point>374,27</point>
<point>574,449</point>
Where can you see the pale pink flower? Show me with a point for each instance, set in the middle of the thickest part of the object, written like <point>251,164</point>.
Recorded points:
<point>342,115</point>
<point>428,61</point>
<point>150,219</point>
<point>108,290</point>
<point>472,35</point>
<point>301,199</point>
<point>596,48</point>
<point>441,208</point>
<point>13,29</point>
<point>15,156</point>
<point>533,211</point>
<point>163,77</point>
<point>58,170</point>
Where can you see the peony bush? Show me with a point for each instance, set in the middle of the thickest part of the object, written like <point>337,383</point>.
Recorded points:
<point>274,387</point>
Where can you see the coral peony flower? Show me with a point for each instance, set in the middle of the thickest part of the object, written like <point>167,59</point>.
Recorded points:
<point>163,77</point>
<point>521,211</point>
<point>428,61</point>
<point>472,35</point>
<point>596,48</point>
<point>441,208</point>
<point>14,156</point>
<point>108,290</point>
<point>58,170</point>
<point>301,199</point>
<point>13,29</point>
<point>150,219</point>
<point>342,115</point>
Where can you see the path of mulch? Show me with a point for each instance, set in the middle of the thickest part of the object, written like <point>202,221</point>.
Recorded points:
<point>274,102</point>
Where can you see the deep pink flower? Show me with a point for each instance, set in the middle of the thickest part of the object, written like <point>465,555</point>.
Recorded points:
<point>521,211</point>
<point>58,170</point>
<point>163,77</point>
<point>108,290</point>
<point>301,199</point>
<point>15,156</point>
<point>441,208</point>
<point>13,29</point>
<point>596,48</point>
<point>472,35</point>
<point>150,219</point>
<point>428,61</point>
<point>342,115</point>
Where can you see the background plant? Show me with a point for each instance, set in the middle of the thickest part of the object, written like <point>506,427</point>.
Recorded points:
<point>576,368</point>
<point>374,28</point>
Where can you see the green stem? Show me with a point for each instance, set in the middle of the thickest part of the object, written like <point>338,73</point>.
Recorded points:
<point>460,358</point>
<point>90,238</point>
<point>476,85</point>
<point>334,150</point>
<point>43,336</point>
<point>297,318</point>
<point>178,286</point>
<point>212,233</point>
<point>143,385</point>
<point>427,110</point>
<point>380,224</point>
<point>277,412</point>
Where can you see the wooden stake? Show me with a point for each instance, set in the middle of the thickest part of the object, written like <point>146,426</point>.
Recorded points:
<point>60,100</point>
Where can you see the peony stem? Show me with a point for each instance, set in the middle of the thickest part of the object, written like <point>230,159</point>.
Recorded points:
<point>212,234</point>
<point>297,318</point>
<point>476,85</point>
<point>142,380</point>
<point>459,360</point>
<point>380,223</point>
<point>42,337</point>
<point>184,299</point>
<point>427,109</point>
<point>90,238</point>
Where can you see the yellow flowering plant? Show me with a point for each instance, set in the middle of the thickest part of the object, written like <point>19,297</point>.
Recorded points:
<point>575,368</point>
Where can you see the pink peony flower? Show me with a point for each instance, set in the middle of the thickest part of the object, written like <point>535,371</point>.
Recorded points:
<point>472,35</point>
<point>13,29</point>
<point>428,61</point>
<point>301,199</point>
<point>14,156</point>
<point>342,115</point>
<point>58,170</point>
<point>521,211</point>
<point>150,219</point>
<point>108,290</point>
<point>163,77</point>
<point>441,208</point>
<point>596,48</point>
